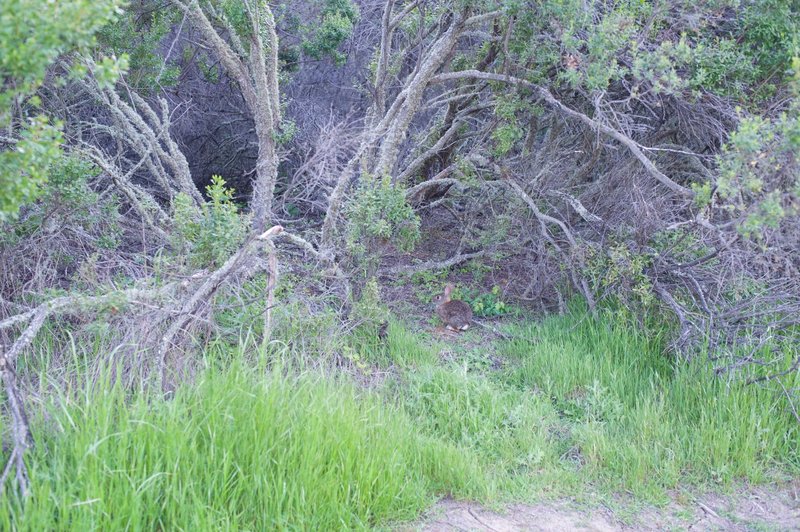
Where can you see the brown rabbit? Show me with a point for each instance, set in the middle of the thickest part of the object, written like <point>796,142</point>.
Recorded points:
<point>456,315</point>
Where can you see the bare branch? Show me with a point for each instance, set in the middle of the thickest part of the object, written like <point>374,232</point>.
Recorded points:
<point>545,94</point>
<point>577,206</point>
<point>540,216</point>
<point>203,293</point>
<point>435,265</point>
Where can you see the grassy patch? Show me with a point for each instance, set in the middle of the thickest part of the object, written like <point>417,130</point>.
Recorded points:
<point>641,423</point>
<point>235,450</point>
<point>575,405</point>
<point>400,347</point>
<point>585,404</point>
<point>508,429</point>
<point>407,349</point>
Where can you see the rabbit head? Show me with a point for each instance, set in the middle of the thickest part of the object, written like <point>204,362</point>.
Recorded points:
<point>441,299</point>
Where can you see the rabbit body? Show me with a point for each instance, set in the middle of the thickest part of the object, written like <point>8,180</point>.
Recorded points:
<point>455,314</point>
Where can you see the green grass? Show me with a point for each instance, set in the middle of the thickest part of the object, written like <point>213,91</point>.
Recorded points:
<point>509,430</point>
<point>644,424</point>
<point>402,348</point>
<point>581,406</point>
<point>236,450</point>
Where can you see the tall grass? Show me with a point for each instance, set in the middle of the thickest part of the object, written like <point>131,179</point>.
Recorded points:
<point>235,450</point>
<point>508,429</point>
<point>581,404</point>
<point>644,423</point>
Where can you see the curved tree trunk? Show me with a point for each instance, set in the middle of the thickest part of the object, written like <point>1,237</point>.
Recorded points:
<point>256,72</point>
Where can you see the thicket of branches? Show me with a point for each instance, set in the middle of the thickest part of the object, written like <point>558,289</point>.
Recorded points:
<point>645,152</point>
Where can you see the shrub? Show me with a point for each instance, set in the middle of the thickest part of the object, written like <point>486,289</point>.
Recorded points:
<point>379,213</point>
<point>211,233</point>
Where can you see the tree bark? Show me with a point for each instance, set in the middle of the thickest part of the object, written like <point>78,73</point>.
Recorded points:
<point>256,73</point>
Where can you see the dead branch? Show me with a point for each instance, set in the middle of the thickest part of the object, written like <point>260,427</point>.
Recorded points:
<point>547,96</point>
<point>544,219</point>
<point>191,305</point>
<point>541,217</point>
<point>435,265</point>
<point>443,182</point>
<point>181,315</point>
<point>20,429</point>
<point>35,319</point>
<point>577,206</point>
<point>137,126</point>
<point>141,201</point>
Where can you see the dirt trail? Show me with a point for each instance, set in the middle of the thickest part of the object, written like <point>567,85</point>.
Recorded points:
<point>756,509</point>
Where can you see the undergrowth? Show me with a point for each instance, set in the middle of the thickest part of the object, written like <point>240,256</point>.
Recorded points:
<point>236,450</point>
<point>576,405</point>
<point>641,422</point>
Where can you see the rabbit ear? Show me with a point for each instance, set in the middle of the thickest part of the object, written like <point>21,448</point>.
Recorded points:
<point>448,289</point>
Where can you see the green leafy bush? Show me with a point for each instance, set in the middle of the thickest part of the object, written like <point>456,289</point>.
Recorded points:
<point>484,304</point>
<point>68,200</point>
<point>759,171</point>
<point>732,48</point>
<point>137,34</point>
<point>337,22</point>
<point>33,33</point>
<point>208,235</point>
<point>378,213</point>
<point>369,310</point>
<point>24,169</point>
<point>623,271</point>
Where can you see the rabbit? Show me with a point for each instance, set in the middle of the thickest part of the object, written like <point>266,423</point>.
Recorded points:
<point>456,315</point>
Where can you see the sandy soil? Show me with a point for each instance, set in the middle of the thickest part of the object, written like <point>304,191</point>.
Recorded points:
<point>755,509</point>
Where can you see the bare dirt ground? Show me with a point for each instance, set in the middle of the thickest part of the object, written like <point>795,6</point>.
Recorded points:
<point>755,509</point>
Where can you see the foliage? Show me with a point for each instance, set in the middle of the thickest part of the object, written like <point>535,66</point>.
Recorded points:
<point>210,234</point>
<point>236,15</point>
<point>333,24</point>
<point>430,283</point>
<point>370,318</point>
<point>24,168</point>
<point>137,34</point>
<point>581,405</point>
<point>484,304</point>
<point>759,177</point>
<point>33,33</point>
<point>489,304</point>
<point>770,32</point>
<point>623,270</point>
<point>728,46</point>
<point>338,18</point>
<point>370,310</point>
<point>505,136</point>
<point>69,198</point>
<point>286,132</point>
<point>379,213</point>
<point>406,348</point>
<point>68,183</point>
<point>582,401</point>
<point>68,202</point>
